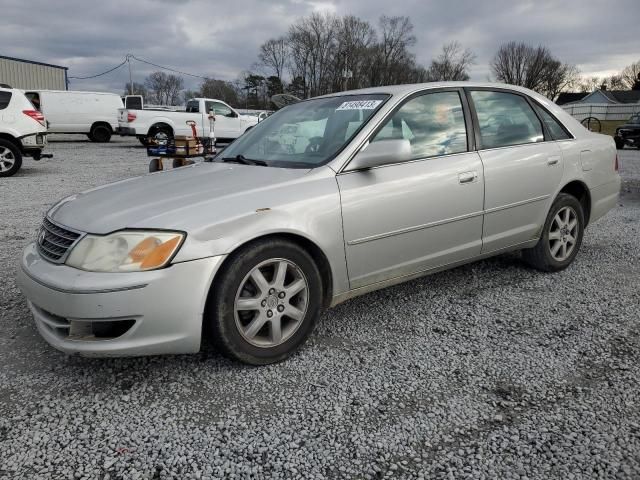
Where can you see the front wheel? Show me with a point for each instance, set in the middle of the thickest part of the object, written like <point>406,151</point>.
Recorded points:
<point>265,302</point>
<point>10,158</point>
<point>561,236</point>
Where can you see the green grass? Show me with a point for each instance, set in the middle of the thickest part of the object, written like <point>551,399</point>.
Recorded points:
<point>609,126</point>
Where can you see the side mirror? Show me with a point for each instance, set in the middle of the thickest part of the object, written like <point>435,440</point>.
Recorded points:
<point>232,114</point>
<point>383,152</point>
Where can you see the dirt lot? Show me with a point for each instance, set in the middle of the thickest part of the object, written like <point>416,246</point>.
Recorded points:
<point>491,370</point>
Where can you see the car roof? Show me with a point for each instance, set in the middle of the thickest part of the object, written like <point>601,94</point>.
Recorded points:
<point>41,90</point>
<point>414,87</point>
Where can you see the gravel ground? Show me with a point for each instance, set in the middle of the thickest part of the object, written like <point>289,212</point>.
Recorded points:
<point>488,371</point>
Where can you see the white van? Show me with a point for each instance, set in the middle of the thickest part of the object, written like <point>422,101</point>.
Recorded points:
<point>92,113</point>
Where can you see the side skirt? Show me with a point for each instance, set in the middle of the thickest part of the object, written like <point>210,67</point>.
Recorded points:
<point>342,297</point>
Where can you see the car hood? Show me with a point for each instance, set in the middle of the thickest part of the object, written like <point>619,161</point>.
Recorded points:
<point>179,199</point>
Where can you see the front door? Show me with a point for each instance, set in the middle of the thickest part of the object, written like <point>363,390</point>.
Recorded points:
<point>227,123</point>
<point>401,219</point>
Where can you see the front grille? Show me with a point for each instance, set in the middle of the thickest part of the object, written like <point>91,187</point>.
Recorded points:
<point>55,241</point>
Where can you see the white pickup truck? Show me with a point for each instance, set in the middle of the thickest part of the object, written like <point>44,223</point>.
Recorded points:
<point>144,123</point>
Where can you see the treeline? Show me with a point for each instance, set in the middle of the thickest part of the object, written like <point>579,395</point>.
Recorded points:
<point>325,53</point>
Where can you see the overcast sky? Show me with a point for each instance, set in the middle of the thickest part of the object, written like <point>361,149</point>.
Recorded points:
<point>221,38</point>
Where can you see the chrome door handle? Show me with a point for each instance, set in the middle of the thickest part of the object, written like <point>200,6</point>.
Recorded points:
<point>467,177</point>
<point>553,161</point>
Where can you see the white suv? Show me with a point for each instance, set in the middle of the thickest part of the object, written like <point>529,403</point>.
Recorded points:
<point>23,131</point>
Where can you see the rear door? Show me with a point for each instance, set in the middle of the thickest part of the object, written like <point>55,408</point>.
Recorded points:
<point>522,169</point>
<point>400,219</point>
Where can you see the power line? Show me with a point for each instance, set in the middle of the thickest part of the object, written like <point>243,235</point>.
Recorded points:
<point>100,74</point>
<point>167,68</point>
<point>129,56</point>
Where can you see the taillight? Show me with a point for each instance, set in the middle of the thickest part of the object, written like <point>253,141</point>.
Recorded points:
<point>616,166</point>
<point>36,115</point>
<point>131,116</point>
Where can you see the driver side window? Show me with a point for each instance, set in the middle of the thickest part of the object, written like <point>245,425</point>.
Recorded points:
<point>433,123</point>
<point>219,109</point>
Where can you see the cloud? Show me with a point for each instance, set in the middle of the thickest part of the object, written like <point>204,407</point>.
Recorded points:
<point>221,38</point>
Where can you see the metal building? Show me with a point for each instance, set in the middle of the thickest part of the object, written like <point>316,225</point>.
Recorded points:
<point>27,74</point>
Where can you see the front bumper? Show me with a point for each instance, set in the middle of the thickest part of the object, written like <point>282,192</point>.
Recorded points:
<point>126,131</point>
<point>162,309</point>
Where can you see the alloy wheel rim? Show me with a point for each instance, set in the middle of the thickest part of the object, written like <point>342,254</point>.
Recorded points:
<point>7,159</point>
<point>271,303</point>
<point>563,234</point>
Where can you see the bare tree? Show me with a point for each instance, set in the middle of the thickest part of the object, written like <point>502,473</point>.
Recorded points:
<point>354,40</point>
<point>318,49</point>
<point>393,57</point>
<point>452,63</point>
<point>589,84</point>
<point>532,67</point>
<point>630,76</point>
<point>219,89</point>
<point>138,89</point>
<point>273,55</point>
<point>164,89</point>
<point>559,78</point>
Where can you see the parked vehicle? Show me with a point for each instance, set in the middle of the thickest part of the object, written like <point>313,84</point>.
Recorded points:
<point>327,199</point>
<point>22,131</point>
<point>259,114</point>
<point>92,113</point>
<point>150,122</point>
<point>629,133</point>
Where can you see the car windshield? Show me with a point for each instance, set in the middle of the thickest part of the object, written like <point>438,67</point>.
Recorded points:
<point>306,134</point>
<point>635,119</point>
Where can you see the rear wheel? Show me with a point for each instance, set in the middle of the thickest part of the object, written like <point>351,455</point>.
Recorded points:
<point>265,303</point>
<point>161,133</point>
<point>100,133</point>
<point>10,158</point>
<point>619,142</point>
<point>561,236</point>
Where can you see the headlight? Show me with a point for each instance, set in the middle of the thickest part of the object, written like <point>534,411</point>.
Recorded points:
<point>125,251</point>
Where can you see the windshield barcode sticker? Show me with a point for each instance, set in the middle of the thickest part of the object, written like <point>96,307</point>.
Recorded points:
<point>360,105</point>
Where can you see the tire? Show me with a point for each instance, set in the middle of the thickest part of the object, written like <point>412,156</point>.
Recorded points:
<point>153,131</point>
<point>155,165</point>
<point>100,134</point>
<point>230,328</point>
<point>10,158</point>
<point>619,142</point>
<point>143,141</point>
<point>542,256</point>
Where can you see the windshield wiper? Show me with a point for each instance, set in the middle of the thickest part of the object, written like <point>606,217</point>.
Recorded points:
<point>244,160</point>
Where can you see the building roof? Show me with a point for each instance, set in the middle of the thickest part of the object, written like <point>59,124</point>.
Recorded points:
<point>33,62</point>
<point>623,96</point>
<point>600,96</point>
<point>569,97</point>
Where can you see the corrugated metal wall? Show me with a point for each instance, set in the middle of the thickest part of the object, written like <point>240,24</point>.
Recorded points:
<point>27,75</point>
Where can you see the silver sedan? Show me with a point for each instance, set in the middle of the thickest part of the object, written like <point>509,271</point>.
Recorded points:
<point>326,199</point>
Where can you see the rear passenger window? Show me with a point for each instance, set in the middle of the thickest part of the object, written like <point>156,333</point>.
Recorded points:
<point>557,131</point>
<point>505,119</point>
<point>433,123</point>
<point>5,98</point>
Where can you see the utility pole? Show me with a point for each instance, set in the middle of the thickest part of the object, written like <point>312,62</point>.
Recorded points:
<point>130,78</point>
<point>346,74</point>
